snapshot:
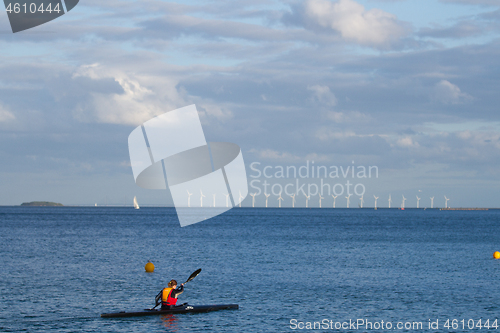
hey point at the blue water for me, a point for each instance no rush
(60, 268)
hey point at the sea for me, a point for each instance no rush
(290, 270)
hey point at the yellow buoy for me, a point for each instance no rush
(496, 255)
(150, 267)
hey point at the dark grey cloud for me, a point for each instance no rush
(189, 25)
(494, 15)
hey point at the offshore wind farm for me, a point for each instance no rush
(305, 203)
(295, 200)
(302, 201)
(323, 202)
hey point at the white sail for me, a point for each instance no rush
(136, 205)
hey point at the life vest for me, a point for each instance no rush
(166, 298)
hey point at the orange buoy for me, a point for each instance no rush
(496, 255)
(150, 267)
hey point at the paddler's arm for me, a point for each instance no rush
(158, 297)
(178, 291)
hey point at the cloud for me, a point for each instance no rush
(210, 109)
(177, 26)
(474, 2)
(460, 30)
(5, 115)
(448, 93)
(407, 142)
(348, 117)
(325, 134)
(270, 154)
(471, 150)
(323, 95)
(141, 98)
(352, 22)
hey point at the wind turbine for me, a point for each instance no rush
(214, 199)
(267, 198)
(348, 199)
(280, 199)
(253, 199)
(361, 201)
(390, 200)
(307, 199)
(334, 198)
(293, 200)
(418, 202)
(241, 198)
(432, 202)
(189, 198)
(446, 204)
(201, 198)
(403, 203)
(320, 197)
(375, 201)
(227, 199)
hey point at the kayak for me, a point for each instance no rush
(184, 309)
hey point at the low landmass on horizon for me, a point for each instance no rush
(41, 203)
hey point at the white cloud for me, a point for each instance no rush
(317, 157)
(353, 22)
(274, 155)
(325, 134)
(348, 117)
(478, 140)
(271, 154)
(143, 97)
(464, 135)
(448, 93)
(323, 95)
(214, 110)
(407, 142)
(6, 115)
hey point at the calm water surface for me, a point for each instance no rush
(60, 268)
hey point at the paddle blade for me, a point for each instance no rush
(195, 274)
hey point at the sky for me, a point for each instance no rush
(410, 87)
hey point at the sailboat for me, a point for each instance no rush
(136, 205)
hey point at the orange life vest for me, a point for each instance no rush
(166, 298)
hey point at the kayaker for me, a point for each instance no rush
(169, 295)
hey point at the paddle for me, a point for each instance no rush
(190, 278)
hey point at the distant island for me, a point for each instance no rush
(41, 203)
